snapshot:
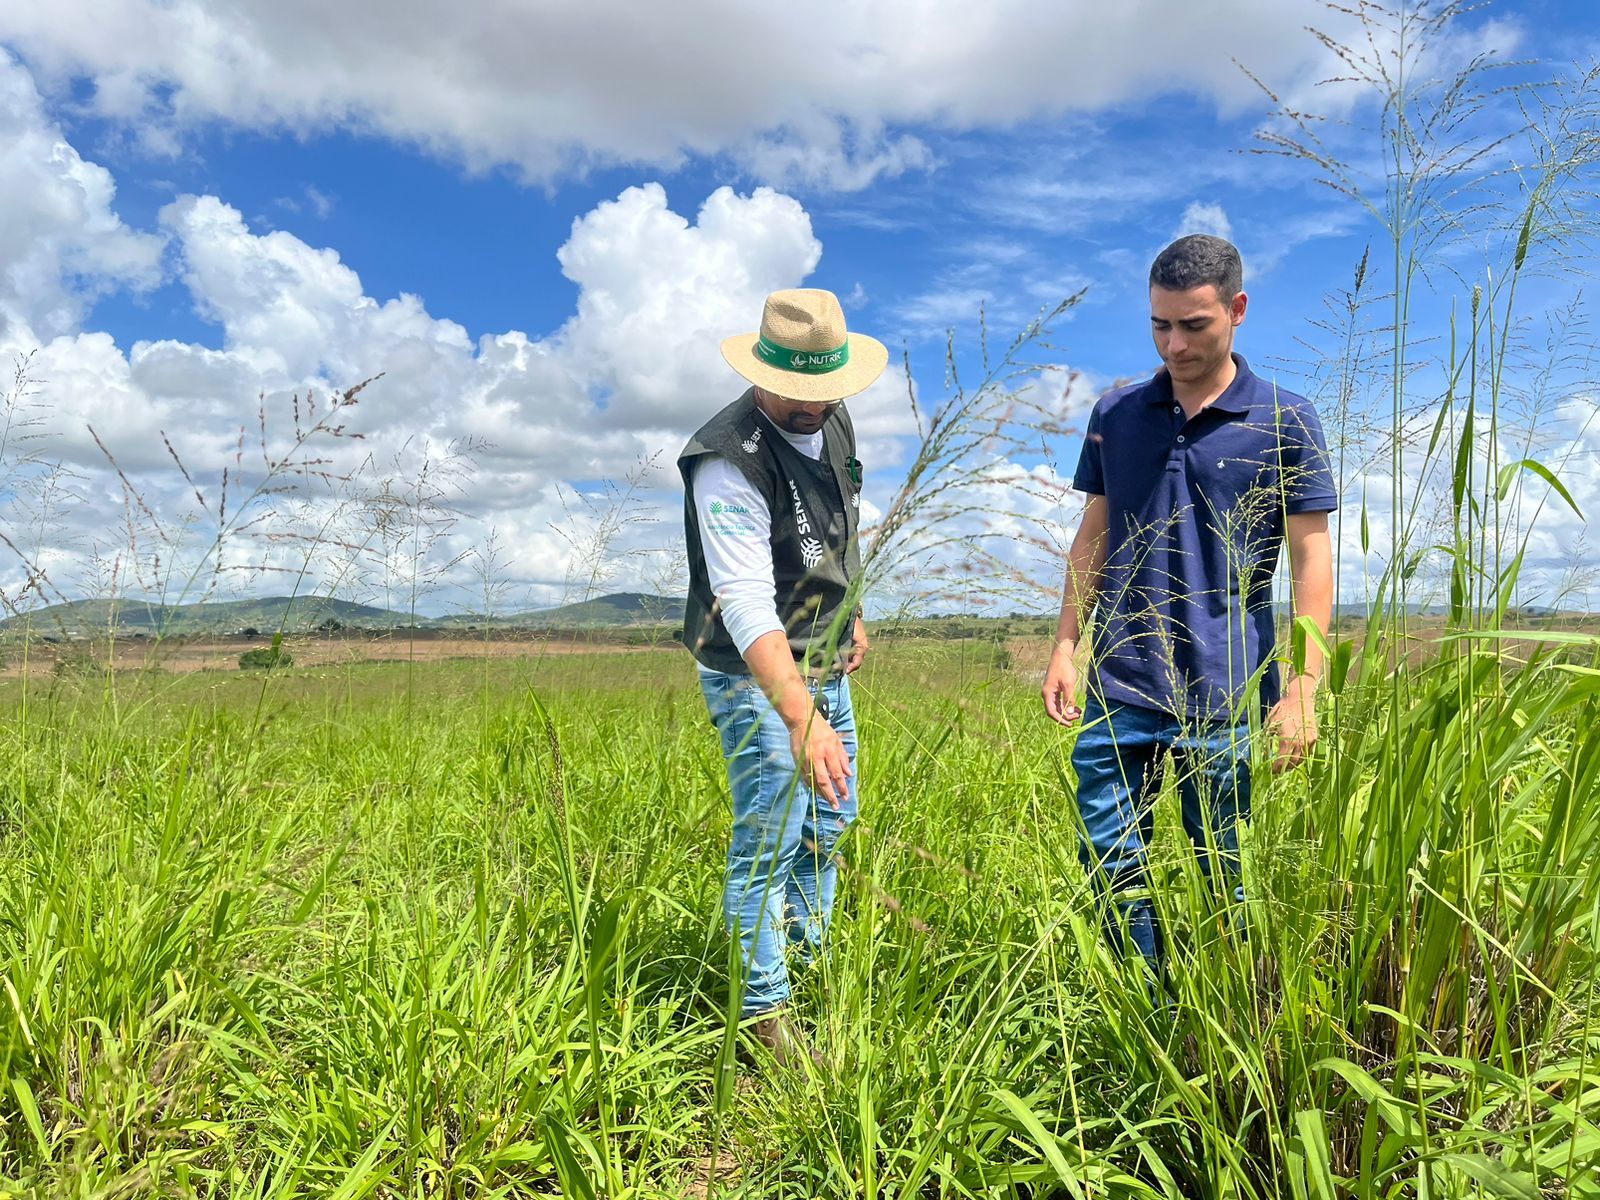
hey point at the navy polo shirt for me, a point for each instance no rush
(1197, 511)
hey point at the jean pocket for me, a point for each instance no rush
(731, 700)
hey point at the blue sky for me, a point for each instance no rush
(1027, 226)
(256, 191)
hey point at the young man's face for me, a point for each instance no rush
(1193, 330)
(794, 416)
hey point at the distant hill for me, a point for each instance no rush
(619, 608)
(292, 614)
(302, 614)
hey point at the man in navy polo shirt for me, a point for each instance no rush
(1196, 477)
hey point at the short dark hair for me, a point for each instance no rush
(1196, 260)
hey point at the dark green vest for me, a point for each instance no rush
(815, 506)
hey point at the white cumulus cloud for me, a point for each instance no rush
(821, 93)
(61, 242)
(611, 394)
(1204, 217)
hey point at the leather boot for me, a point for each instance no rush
(777, 1033)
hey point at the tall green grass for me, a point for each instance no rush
(301, 937)
(453, 930)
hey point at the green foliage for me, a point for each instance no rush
(456, 930)
(73, 660)
(266, 658)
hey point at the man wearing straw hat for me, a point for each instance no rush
(772, 493)
(1196, 478)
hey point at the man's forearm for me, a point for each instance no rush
(1085, 561)
(772, 663)
(1077, 603)
(1311, 569)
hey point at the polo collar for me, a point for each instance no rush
(1236, 398)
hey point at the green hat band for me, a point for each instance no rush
(802, 362)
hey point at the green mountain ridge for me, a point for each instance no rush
(304, 614)
(614, 610)
(619, 608)
(267, 614)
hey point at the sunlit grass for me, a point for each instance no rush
(302, 936)
(453, 929)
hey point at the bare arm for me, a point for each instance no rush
(1311, 570)
(1085, 561)
(818, 750)
(857, 654)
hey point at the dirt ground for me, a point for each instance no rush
(184, 655)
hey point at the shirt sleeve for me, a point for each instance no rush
(736, 538)
(1307, 471)
(1090, 476)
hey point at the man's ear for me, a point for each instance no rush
(1236, 309)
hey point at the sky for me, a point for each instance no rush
(534, 222)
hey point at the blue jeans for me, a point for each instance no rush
(1118, 758)
(778, 892)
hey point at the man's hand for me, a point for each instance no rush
(819, 755)
(823, 761)
(1085, 560)
(1294, 722)
(1061, 687)
(857, 654)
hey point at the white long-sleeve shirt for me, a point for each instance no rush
(736, 538)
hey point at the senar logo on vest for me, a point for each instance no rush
(800, 518)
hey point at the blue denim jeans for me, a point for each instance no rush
(1118, 758)
(777, 895)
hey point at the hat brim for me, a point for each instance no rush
(868, 358)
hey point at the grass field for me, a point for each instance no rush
(453, 929)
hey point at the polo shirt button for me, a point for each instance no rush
(1180, 439)
(1176, 409)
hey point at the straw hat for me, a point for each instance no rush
(803, 351)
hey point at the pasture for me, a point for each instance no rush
(451, 928)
